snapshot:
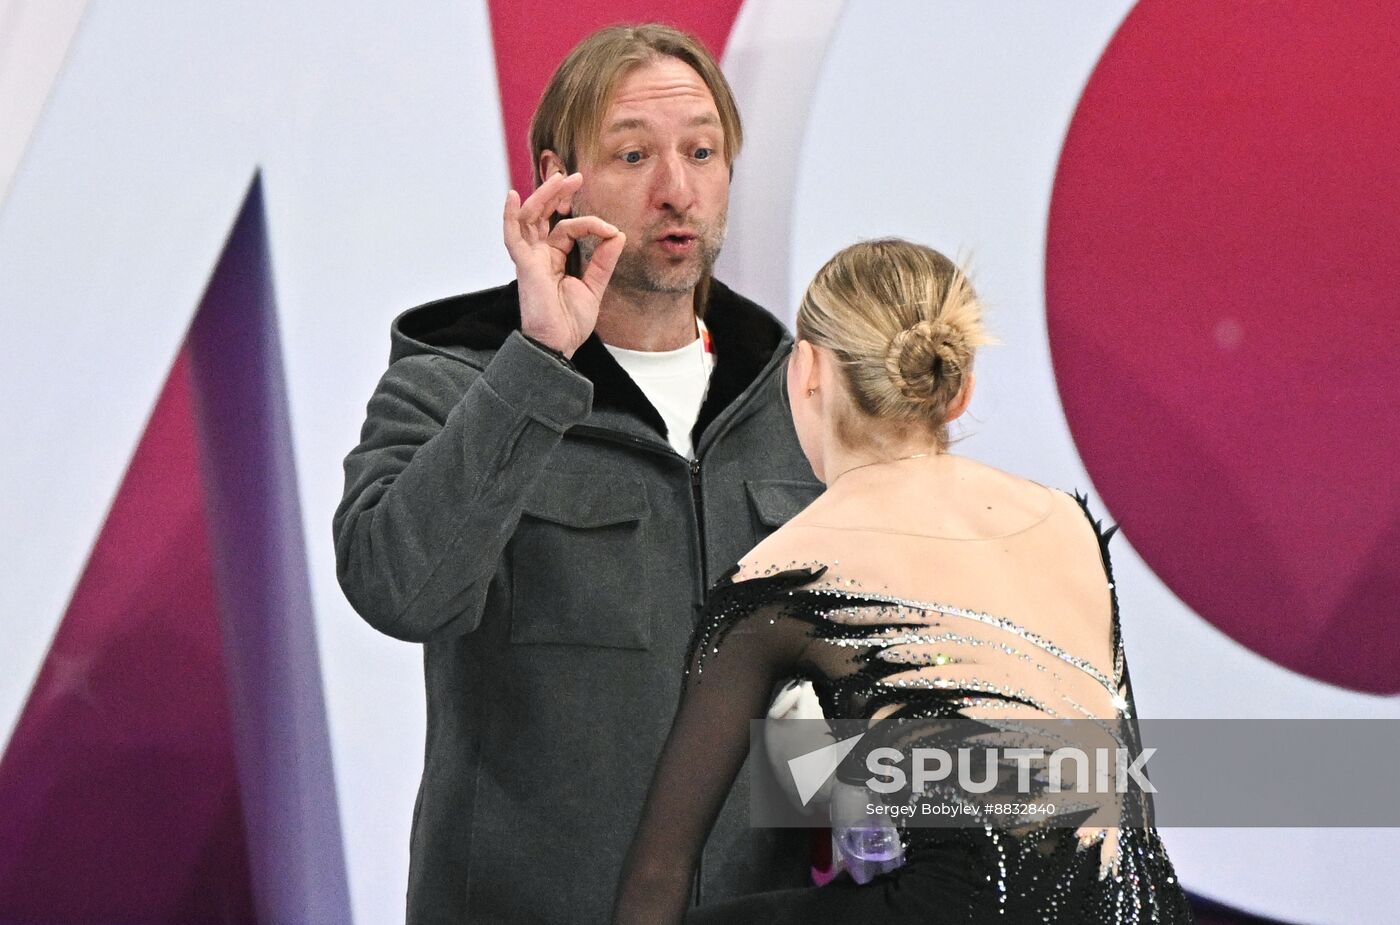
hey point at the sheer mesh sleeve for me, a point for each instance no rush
(748, 640)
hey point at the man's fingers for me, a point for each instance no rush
(564, 203)
(555, 194)
(604, 261)
(570, 230)
(571, 184)
(605, 255)
(544, 196)
(511, 221)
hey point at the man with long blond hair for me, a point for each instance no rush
(550, 475)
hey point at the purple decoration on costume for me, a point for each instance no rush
(866, 851)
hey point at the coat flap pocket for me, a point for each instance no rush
(778, 500)
(587, 501)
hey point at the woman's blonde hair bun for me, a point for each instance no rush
(905, 324)
(922, 356)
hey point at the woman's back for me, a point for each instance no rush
(966, 539)
(832, 602)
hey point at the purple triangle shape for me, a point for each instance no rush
(275, 693)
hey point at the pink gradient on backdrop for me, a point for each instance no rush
(118, 789)
(1221, 278)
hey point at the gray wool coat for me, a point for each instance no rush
(530, 525)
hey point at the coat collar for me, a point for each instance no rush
(746, 338)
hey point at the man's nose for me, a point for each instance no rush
(672, 185)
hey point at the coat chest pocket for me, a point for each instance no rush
(579, 573)
(776, 501)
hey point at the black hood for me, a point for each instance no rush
(470, 327)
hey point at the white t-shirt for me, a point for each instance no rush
(674, 381)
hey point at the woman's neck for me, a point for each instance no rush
(865, 464)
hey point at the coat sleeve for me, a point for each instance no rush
(434, 489)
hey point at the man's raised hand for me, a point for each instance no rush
(557, 309)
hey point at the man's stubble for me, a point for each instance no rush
(635, 273)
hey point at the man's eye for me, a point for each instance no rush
(632, 157)
(704, 154)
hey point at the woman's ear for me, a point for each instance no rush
(963, 398)
(802, 378)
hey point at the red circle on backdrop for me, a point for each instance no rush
(1223, 300)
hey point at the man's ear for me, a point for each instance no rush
(550, 163)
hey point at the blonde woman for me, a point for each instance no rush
(921, 583)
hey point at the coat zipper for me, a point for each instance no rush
(698, 503)
(699, 513)
(704, 582)
(700, 527)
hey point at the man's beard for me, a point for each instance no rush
(635, 272)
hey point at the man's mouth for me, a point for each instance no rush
(678, 243)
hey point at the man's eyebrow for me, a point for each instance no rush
(622, 125)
